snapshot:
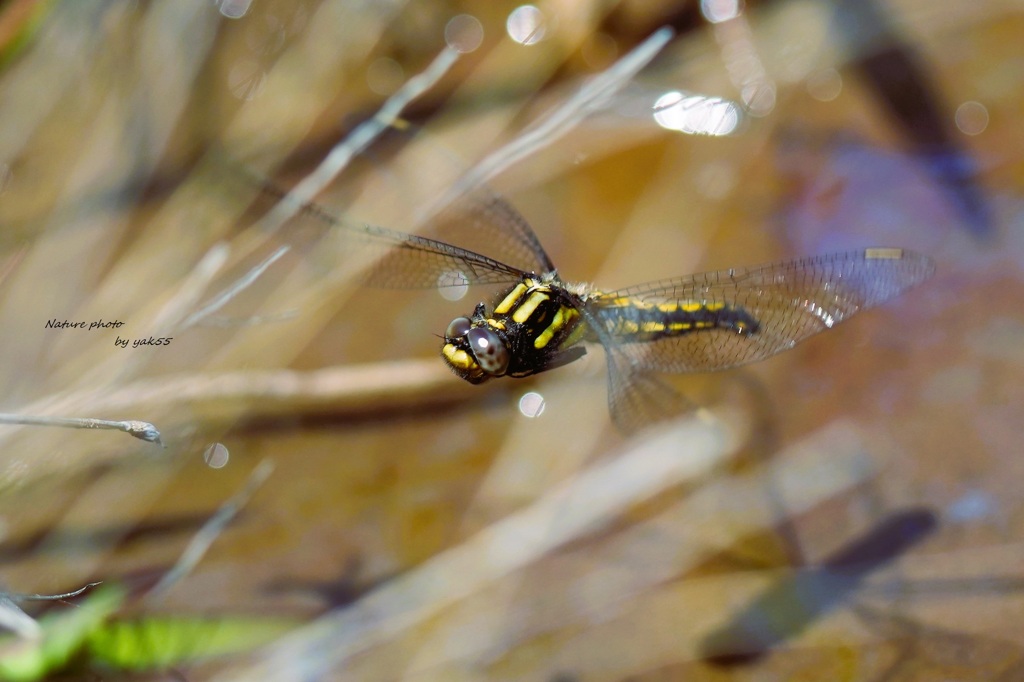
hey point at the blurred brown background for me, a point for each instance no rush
(867, 525)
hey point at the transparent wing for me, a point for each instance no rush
(408, 261)
(636, 398)
(790, 301)
(443, 202)
(481, 220)
(406, 180)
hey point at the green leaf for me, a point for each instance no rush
(63, 635)
(155, 643)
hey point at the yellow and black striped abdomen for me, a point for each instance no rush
(631, 320)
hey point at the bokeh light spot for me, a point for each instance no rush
(825, 85)
(464, 33)
(525, 25)
(971, 118)
(716, 179)
(384, 75)
(233, 9)
(717, 11)
(759, 98)
(531, 404)
(696, 114)
(216, 456)
(453, 285)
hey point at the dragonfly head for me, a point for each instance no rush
(474, 349)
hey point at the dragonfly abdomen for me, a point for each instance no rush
(635, 320)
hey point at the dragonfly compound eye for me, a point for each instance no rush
(458, 328)
(489, 350)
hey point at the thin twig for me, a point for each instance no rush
(17, 621)
(812, 471)
(249, 321)
(242, 283)
(364, 134)
(54, 597)
(568, 511)
(192, 287)
(216, 396)
(339, 157)
(202, 541)
(593, 95)
(133, 427)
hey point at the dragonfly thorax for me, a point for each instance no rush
(535, 326)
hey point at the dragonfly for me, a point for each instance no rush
(539, 322)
